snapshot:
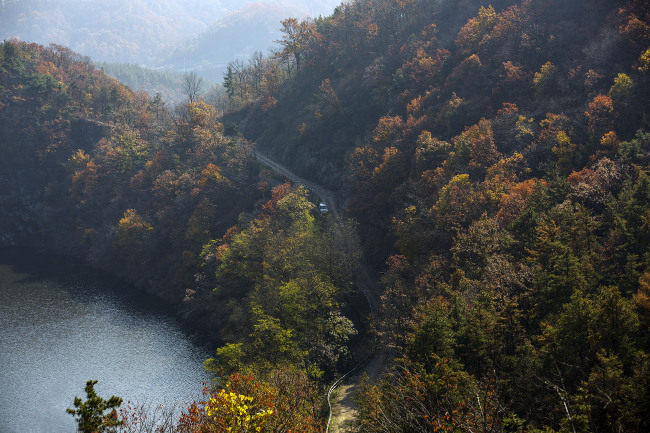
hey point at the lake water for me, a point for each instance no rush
(62, 325)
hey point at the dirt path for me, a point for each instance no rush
(344, 410)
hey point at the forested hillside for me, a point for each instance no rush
(495, 157)
(92, 169)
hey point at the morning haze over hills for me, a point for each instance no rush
(177, 35)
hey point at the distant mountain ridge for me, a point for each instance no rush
(136, 31)
(112, 30)
(247, 30)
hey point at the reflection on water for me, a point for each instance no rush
(61, 325)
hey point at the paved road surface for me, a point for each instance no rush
(325, 194)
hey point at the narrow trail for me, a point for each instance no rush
(373, 364)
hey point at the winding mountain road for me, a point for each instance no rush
(343, 408)
(327, 196)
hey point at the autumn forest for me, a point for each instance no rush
(490, 253)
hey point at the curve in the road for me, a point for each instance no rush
(329, 197)
(365, 282)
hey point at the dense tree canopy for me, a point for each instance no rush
(499, 162)
(495, 158)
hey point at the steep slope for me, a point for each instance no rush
(496, 159)
(93, 170)
(168, 203)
